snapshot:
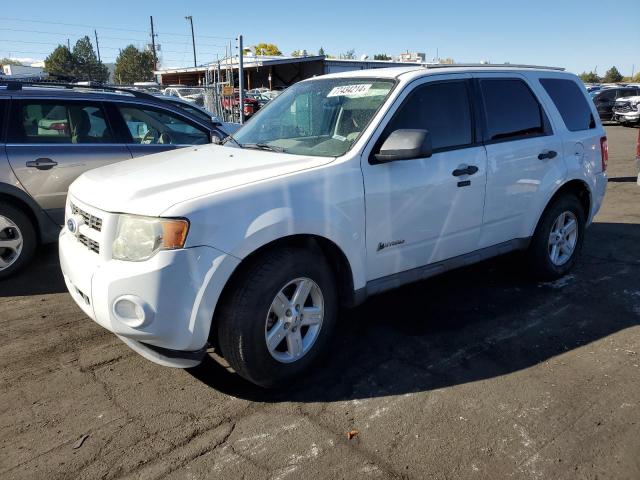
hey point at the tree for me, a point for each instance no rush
(381, 56)
(612, 76)
(296, 53)
(60, 62)
(267, 49)
(87, 66)
(446, 61)
(349, 55)
(321, 51)
(590, 77)
(133, 65)
(9, 61)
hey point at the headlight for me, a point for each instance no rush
(139, 238)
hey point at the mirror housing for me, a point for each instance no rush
(405, 144)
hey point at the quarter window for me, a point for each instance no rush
(512, 111)
(441, 108)
(570, 102)
(151, 126)
(58, 122)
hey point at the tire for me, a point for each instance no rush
(247, 316)
(540, 253)
(15, 225)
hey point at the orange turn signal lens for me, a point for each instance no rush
(174, 233)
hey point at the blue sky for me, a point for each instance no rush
(578, 35)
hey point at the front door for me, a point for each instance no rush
(52, 142)
(425, 210)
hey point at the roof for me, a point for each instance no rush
(427, 69)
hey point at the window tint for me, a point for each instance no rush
(151, 126)
(607, 94)
(570, 102)
(511, 110)
(442, 108)
(59, 122)
(627, 92)
(3, 109)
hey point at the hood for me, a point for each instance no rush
(632, 98)
(150, 185)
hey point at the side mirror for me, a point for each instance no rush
(405, 144)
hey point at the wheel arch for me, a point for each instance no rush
(576, 187)
(15, 197)
(336, 260)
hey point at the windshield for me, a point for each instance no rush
(321, 117)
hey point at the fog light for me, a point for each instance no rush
(132, 311)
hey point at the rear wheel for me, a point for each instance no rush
(278, 317)
(558, 239)
(17, 240)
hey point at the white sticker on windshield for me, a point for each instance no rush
(349, 90)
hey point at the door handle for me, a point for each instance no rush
(547, 154)
(42, 163)
(465, 170)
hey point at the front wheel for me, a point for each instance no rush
(557, 241)
(278, 317)
(17, 240)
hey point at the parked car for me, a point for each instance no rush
(189, 94)
(605, 99)
(344, 186)
(202, 113)
(626, 110)
(260, 98)
(250, 105)
(55, 133)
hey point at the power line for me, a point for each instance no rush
(106, 28)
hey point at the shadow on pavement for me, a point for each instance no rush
(476, 323)
(42, 276)
(623, 179)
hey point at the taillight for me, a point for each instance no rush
(58, 126)
(604, 148)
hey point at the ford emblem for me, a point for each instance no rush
(72, 225)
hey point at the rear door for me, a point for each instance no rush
(523, 154)
(52, 141)
(151, 129)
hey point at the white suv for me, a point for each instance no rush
(344, 186)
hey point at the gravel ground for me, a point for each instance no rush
(479, 373)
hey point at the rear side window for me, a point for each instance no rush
(443, 109)
(58, 122)
(570, 102)
(512, 111)
(3, 110)
(627, 92)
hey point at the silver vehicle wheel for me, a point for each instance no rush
(563, 238)
(294, 320)
(10, 242)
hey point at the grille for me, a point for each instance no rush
(89, 243)
(622, 107)
(91, 220)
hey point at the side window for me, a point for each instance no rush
(607, 95)
(626, 92)
(441, 108)
(3, 110)
(58, 122)
(570, 102)
(154, 126)
(512, 111)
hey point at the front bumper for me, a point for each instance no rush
(626, 117)
(177, 290)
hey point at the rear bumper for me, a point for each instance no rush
(175, 291)
(600, 189)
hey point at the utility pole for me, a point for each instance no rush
(153, 45)
(68, 45)
(193, 39)
(241, 79)
(97, 44)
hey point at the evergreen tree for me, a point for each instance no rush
(321, 51)
(87, 66)
(133, 65)
(60, 62)
(612, 76)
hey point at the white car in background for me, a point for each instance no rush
(626, 110)
(346, 185)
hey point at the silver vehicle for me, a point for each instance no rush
(50, 134)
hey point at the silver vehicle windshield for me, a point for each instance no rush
(321, 117)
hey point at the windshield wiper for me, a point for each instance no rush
(263, 146)
(230, 137)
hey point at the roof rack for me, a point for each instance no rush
(490, 65)
(18, 84)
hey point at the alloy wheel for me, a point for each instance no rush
(563, 238)
(10, 242)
